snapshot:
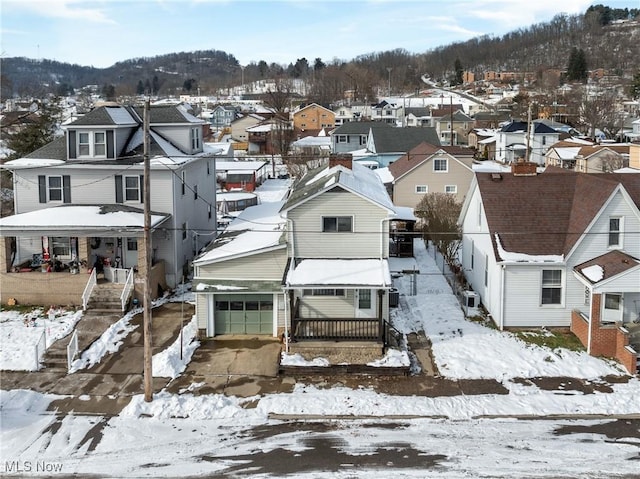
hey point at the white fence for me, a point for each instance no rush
(72, 349)
(39, 349)
(93, 280)
(128, 287)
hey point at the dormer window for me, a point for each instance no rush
(195, 139)
(92, 144)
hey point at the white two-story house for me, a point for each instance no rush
(80, 199)
(556, 249)
(313, 267)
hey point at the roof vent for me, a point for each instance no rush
(496, 177)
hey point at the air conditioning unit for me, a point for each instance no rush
(471, 299)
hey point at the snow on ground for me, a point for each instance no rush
(23, 335)
(172, 362)
(466, 350)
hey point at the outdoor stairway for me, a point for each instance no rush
(105, 297)
(90, 327)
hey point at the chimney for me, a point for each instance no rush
(344, 159)
(524, 168)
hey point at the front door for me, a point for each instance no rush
(365, 303)
(130, 259)
(612, 310)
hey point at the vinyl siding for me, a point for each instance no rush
(328, 306)
(263, 266)
(364, 242)
(178, 135)
(404, 189)
(522, 298)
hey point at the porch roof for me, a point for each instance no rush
(81, 220)
(607, 268)
(210, 285)
(339, 273)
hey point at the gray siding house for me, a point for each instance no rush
(80, 198)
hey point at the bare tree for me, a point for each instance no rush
(612, 162)
(597, 108)
(439, 213)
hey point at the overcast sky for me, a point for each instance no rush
(101, 33)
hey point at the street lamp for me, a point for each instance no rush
(389, 91)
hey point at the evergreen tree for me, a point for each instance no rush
(155, 85)
(140, 88)
(36, 134)
(577, 67)
(109, 92)
(459, 72)
(634, 89)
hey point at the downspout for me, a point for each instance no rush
(590, 320)
(382, 237)
(501, 322)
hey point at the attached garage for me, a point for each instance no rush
(243, 314)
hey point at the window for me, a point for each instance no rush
(612, 301)
(208, 167)
(84, 147)
(486, 270)
(337, 224)
(195, 139)
(323, 292)
(451, 189)
(183, 177)
(363, 139)
(615, 227)
(55, 188)
(61, 247)
(440, 164)
(551, 286)
(184, 231)
(132, 244)
(473, 255)
(343, 139)
(209, 211)
(92, 144)
(195, 192)
(132, 188)
(364, 299)
(99, 143)
(421, 189)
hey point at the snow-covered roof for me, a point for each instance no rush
(253, 230)
(525, 258)
(224, 166)
(343, 273)
(77, 218)
(384, 174)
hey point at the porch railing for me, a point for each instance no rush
(338, 329)
(72, 349)
(116, 275)
(128, 287)
(93, 280)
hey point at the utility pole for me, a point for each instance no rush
(389, 90)
(147, 372)
(451, 125)
(526, 153)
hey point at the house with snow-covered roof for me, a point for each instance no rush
(513, 139)
(314, 267)
(79, 204)
(533, 243)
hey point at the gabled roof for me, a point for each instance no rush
(359, 127)
(111, 115)
(547, 214)
(401, 140)
(359, 180)
(421, 153)
(606, 266)
(587, 151)
(514, 126)
(312, 105)
(417, 111)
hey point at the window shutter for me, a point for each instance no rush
(141, 188)
(42, 188)
(66, 189)
(72, 144)
(110, 144)
(119, 196)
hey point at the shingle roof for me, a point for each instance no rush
(612, 263)
(546, 214)
(55, 150)
(402, 140)
(359, 127)
(420, 153)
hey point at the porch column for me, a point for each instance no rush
(5, 254)
(594, 321)
(142, 259)
(83, 250)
